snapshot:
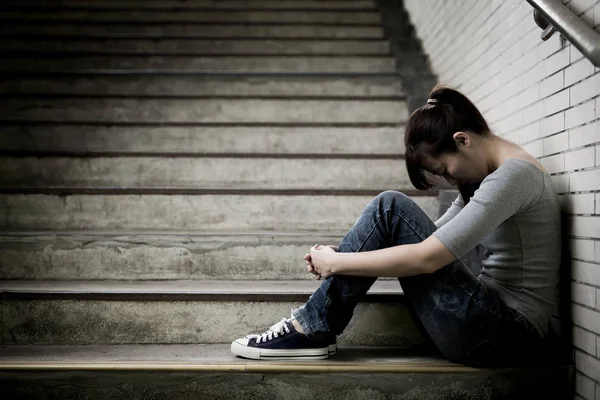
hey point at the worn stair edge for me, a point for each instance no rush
(216, 74)
(340, 6)
(100, 153)
(181, 234)
(400, 367)
(53, 35)
(184, 23)
(157, 124)
(145, 124)
(60, 54)
(217, 7)
(36, 96)
(383, 291)
(152, 124)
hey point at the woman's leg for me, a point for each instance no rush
(466, 321)
(390, 219)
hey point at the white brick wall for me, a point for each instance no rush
(546, 97)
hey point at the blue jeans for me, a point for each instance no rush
(467, 322)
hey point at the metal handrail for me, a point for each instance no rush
(573, 28)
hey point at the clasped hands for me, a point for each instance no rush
(319, 261)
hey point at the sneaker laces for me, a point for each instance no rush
(279, 328)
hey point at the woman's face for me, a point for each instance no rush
(454, 167)
(465, 166)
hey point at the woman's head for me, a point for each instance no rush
(442, 137)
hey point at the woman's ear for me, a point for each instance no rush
(462, 139)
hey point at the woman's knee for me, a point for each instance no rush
(394, 200)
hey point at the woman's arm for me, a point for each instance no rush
(456, 206)
(404, 260)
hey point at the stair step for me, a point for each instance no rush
(134, 29)
(212, 371)
(191, 140)
(214, 173)
(182, 86)
(197, 64)
(209, 212)
(183, 290)
(203, 110)
(130, 255)
(104, 312)
(216, 357)
(190, 5)
(213, 15)
(195, 46)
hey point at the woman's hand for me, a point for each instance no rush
(320, 260)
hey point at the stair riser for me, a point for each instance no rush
(236, 386)
(515, 384)
(263, 64)
(198, 46)
(184, 140)
(114, 322)
(204, 111)
(171, 4)
(234, 213)
(205, 86)
(241, 386)
(312, 17)
(165, 256)
(214, 173)
(192, 30)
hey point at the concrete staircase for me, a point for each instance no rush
(165, 166)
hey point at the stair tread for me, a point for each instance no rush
(62, 190)
(188, 46)
(190, 30)
(262, 16)
(143, 72)
(181, 287)
(195, 65)
(184, 234)
(191, 5)
(216, 357)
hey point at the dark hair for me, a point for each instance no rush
(430, 129)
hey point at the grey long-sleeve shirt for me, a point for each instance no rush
(515, 216)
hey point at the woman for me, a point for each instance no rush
(507, 203)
